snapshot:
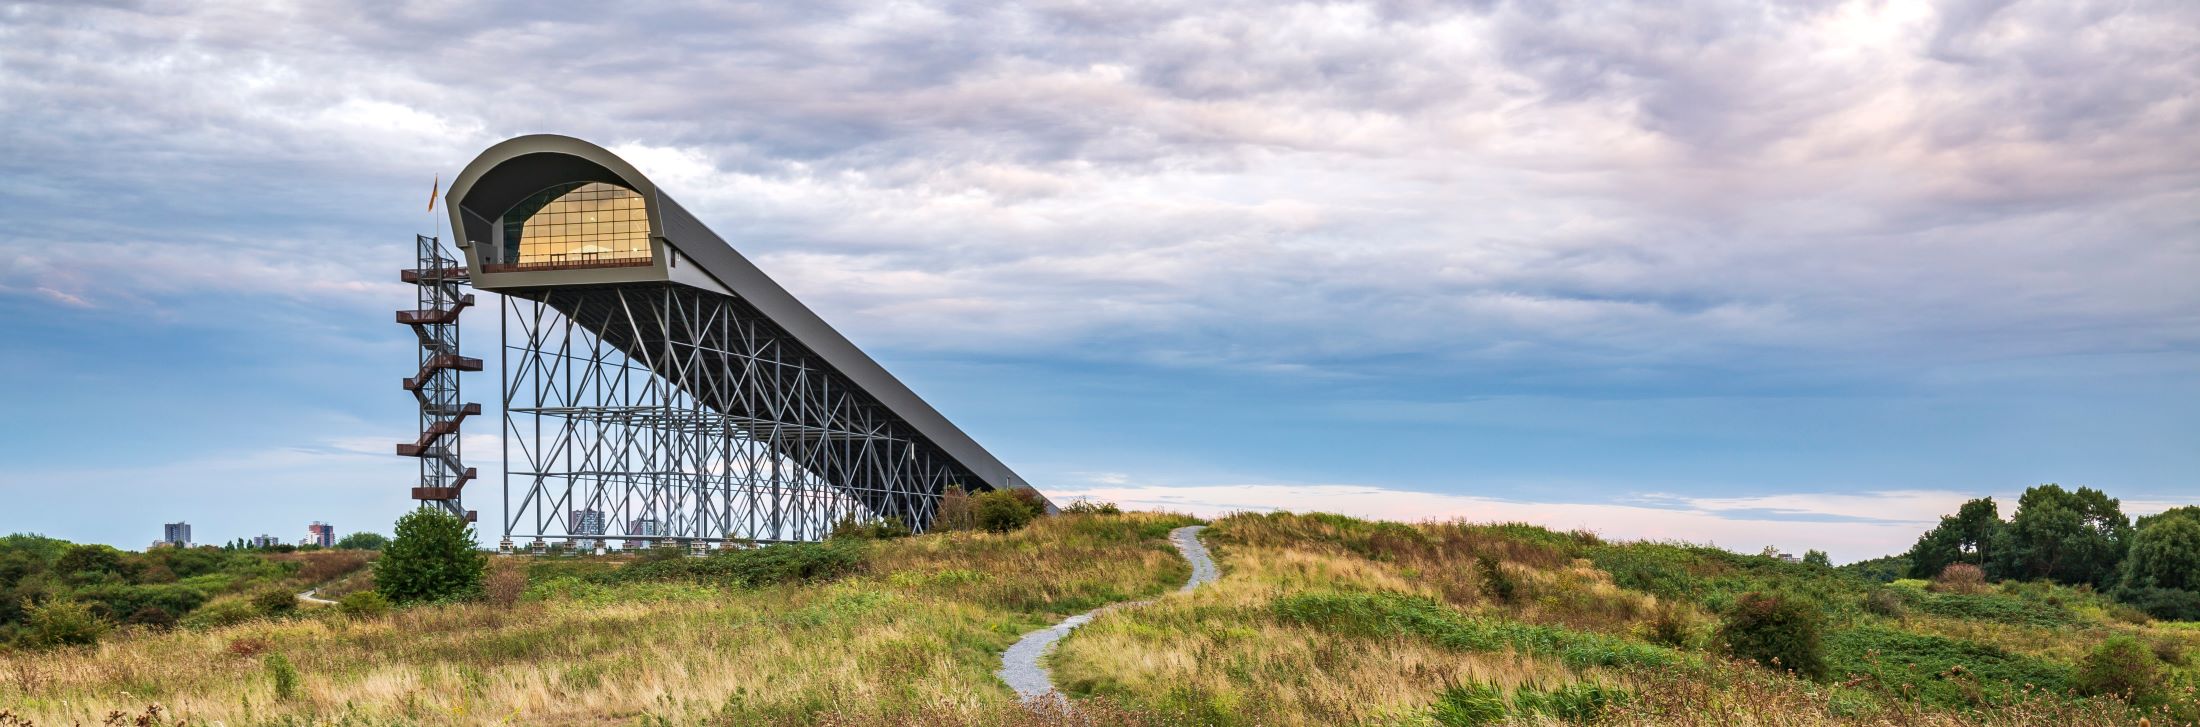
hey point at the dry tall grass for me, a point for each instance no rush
(1222, 655)
(918, 632)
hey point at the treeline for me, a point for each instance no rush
(2073, 537)
(356, 541)
(53, 592)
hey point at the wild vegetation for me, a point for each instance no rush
(2071, 537)
(856, 630)
(1321, 619)
(1318, 620)
(55, 593)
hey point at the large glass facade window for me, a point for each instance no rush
(579, 225)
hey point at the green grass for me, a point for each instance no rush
(1390, 614)
(1940, 671)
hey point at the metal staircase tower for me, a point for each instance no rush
(434, 320)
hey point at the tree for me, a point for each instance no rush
(1782, 632)
(1817, 558)
(433, 558)
(1969, 536)
(362, 541)
(2068, 537)
(90, 563)
(2165, 551)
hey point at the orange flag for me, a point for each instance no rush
(433, 190)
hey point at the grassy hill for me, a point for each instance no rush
(1318, 620)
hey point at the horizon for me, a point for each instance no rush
(1806, 278)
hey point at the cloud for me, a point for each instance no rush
(1301, 188)
(1580, 220)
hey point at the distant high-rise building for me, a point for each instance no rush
(176, 534)
(581, 523)
(642, 527)
(585, 522)
(321, 534)
(262, 541)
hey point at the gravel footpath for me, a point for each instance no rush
(1020, 664)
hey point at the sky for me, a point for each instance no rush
(1798, 274)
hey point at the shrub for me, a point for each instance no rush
(1671, 627)
(1885, 602)
(62, 622)
(433, 558)
(2168, 604)
(152, 617)
(506, 582)
(784, 563)
(2120, 666)
(362, 541)
(328, 565)
(2171, 652)
(248, 646)
(1781, 632)
(1960, 578)
(1003, 511)
(1496, 583)
(1085, 506)
(284, 676)
(852, 527)
(275, 602)
(956, 511)
(226, 611)
(1466, 705)
(364, 604)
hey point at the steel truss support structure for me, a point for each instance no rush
(434, 320)
(657, 413)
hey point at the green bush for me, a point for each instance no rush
(784, 563)
(363, 541)
(284, 676)
(1885, 602)
(225, 611)
(1782, 632)
(855, 528)
(2121, 666)
(1085, 506)
(364, 604)
(62, 622)
(275, 602)
(432, 559)
(119, 601)
(1002, 511)
(1467, 705)
(152, 617)
(2168, 604)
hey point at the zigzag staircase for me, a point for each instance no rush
(443, 476)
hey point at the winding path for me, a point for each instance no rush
(1020, 666)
